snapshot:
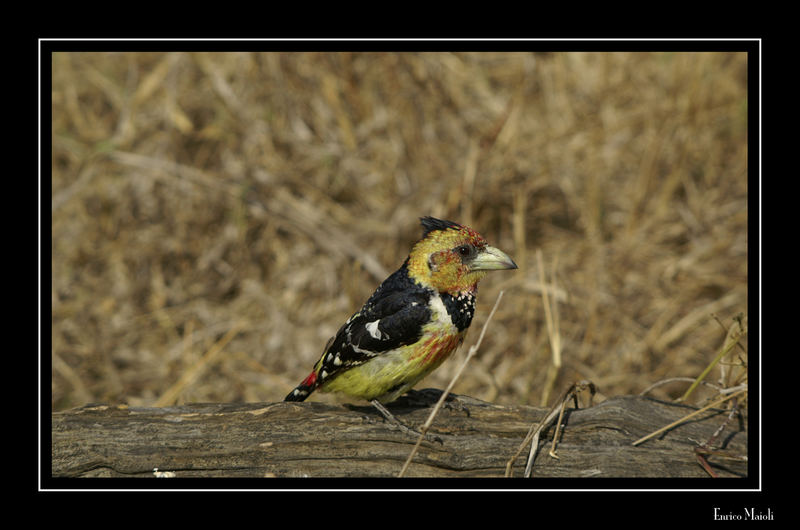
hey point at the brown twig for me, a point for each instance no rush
(713, 404)
(731, 340)
(705, 448)
(535, 430)
(674, 380)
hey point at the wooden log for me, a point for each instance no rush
(314, 439)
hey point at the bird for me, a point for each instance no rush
(415, 319)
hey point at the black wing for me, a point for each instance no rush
(394, 320)
(392, 317)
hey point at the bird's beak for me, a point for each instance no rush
(492, 259)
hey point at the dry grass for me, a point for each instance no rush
(220, 215)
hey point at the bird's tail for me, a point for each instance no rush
(304, 389)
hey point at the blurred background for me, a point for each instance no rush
(217, 216)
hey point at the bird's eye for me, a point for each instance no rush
(465, 250)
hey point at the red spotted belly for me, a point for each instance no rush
(438, 347)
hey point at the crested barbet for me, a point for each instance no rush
(414, 321)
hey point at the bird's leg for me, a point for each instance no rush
(389, 416)
(408, 430)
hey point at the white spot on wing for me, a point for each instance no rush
(372, 328)
(363, 352)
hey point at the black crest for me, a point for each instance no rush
(429, 224)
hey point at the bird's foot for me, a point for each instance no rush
(403, 427)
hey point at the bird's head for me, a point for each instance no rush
(452, 258)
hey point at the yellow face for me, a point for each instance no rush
(454, 260)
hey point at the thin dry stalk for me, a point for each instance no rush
(171, 395)
(472, 351)
(553, 328)
(731, 340)
(552, 451)
(533, 438)
(705, 448)
(711, 405)
(572, 392)
(726, 370)
(533, 433)
(674, 380)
